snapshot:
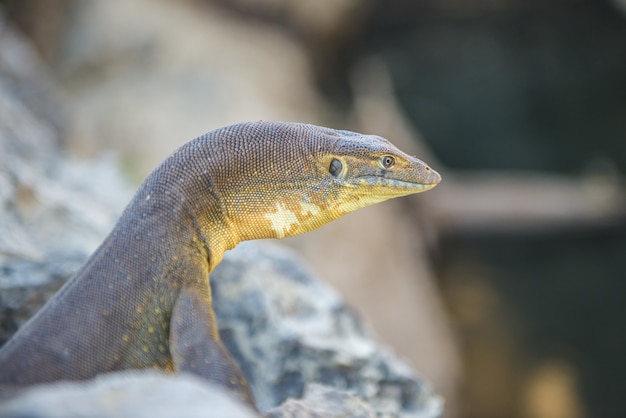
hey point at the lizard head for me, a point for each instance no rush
(362, 170)
(292, 178)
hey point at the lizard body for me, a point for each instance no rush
(143, 300)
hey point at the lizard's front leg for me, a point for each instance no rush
(195, 344)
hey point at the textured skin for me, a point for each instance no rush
(143, 298)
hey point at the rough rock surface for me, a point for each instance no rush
(128, 394)
(288, 330)
(285, 328)
(321, 401)
(54, 211)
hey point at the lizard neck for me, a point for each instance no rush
(186, 209)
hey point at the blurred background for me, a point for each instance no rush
(505, 286)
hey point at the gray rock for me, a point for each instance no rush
(289, 330)
(322, 401)
(53, 210)
(128, 394)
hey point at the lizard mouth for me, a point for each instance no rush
(422, 183)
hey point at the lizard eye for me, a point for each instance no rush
(335, 167)
(387, 161)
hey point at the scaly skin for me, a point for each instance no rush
(143, 298)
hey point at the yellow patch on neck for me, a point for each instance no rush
(282, 220)
(309, 209)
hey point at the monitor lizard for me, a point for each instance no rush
(143, 300)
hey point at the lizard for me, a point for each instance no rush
(143, 300)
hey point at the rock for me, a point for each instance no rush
(288, 330)
(54, 210)
(328, 30)
(128, 394)
(162, 72)
(43, 23)
(321, 401)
